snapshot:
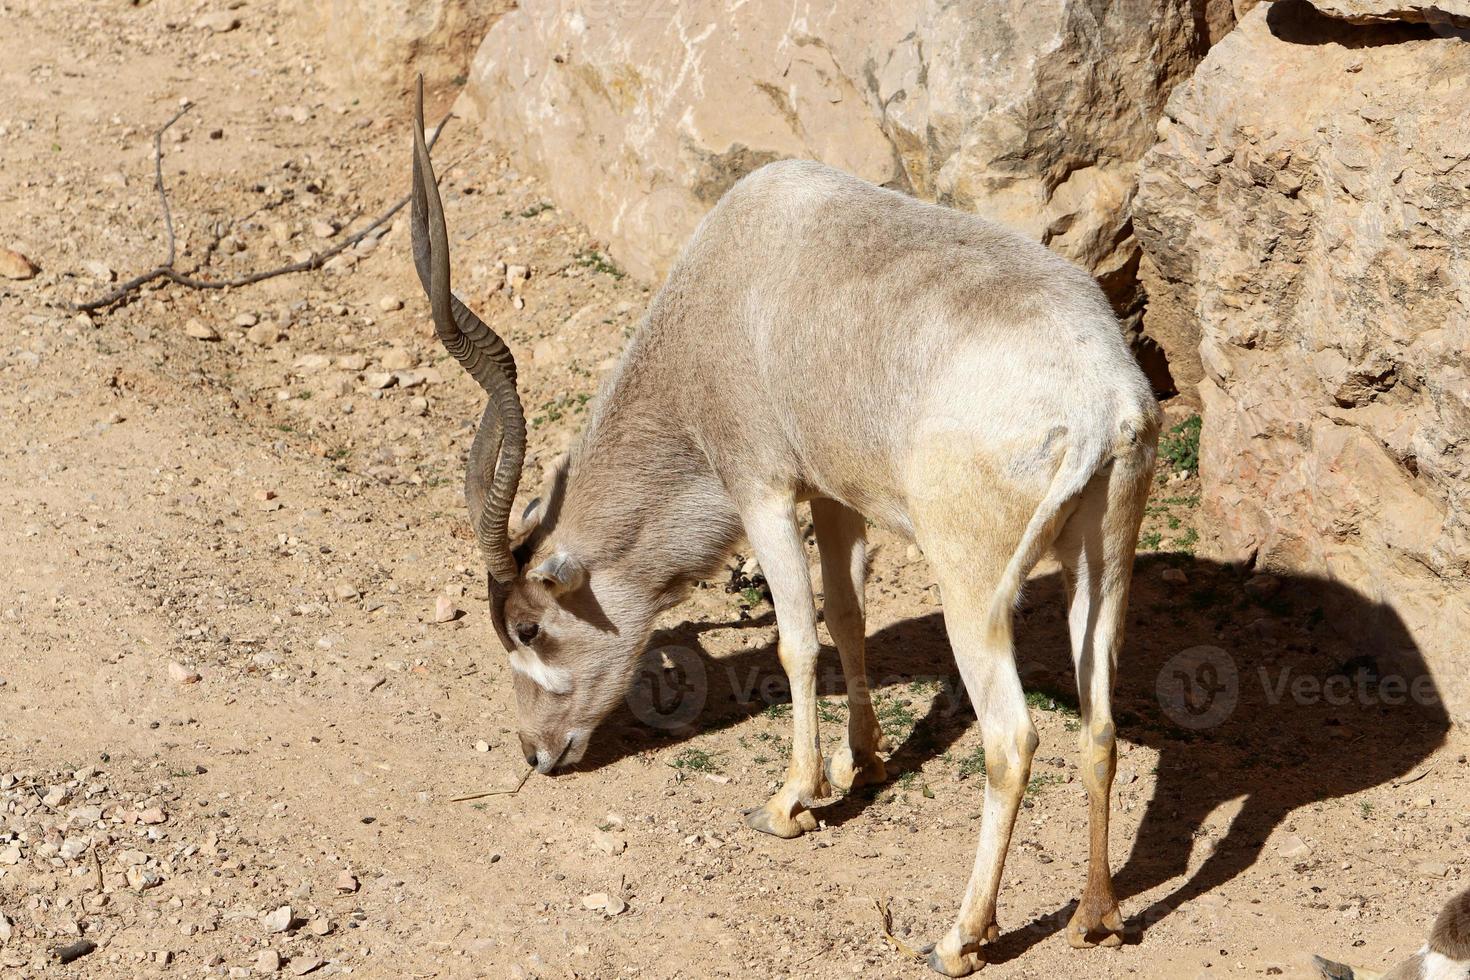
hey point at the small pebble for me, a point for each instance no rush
(277, 921)
(200, 330)
(445, 611)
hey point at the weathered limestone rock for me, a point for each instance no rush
(641, 113)
(1307, 218)
(1450, 13)
(375, 48)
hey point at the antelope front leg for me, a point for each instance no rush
(776, 541)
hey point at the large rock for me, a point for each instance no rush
(1453, 14)
(374, 48)
(640, 113)
(1308, 215)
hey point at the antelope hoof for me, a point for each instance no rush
(1107, 926)
(774, 819)
(845, 774)
(955, 959)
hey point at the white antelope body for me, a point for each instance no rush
(823, 340)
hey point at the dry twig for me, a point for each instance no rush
(497, 792)
(167, 270)
(885, 923)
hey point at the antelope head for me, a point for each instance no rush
(572, 653)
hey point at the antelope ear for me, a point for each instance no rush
(561, 573)
(543, 510)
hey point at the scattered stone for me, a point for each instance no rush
(217, 22)
(445, 611)
(320, 926)
(296, 113)
(312, 363)
(608, 843)
(98, 270)
(1422, 802)
(1262, 586)
(398, 359)
(1293, 848)
(5, 929)
(75, 951)
(346, 883)
(10, 855)
(151, 816)
(277, 921)
(268, 961)
(141, 878)
(302, 965)
(55, 796)
(482, 746)
(263, 334)
(1174, 576)
(615, 905)
(345, 590)
(246, 320)
(323, 229)
(516, 274)
(14, 265)
(200, 330)
(180, 674)
(352, 362)
(390, 303)
(1432, 869)
(596, 902)
(73, 848)
(379, 380)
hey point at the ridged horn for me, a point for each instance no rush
(494, 469)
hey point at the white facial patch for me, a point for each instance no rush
(1438, 966)
(553, 679)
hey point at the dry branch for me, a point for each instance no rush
(190, 280)
(497, 792)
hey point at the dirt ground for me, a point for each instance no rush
(232, 722)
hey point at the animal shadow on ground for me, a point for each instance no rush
(1283, 696)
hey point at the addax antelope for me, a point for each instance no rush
(822, 340)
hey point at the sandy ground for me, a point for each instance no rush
(231, 726)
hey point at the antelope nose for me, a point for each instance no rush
(528, 749)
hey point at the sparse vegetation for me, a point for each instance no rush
(695, 760)
(1041, 780)
(598, 262)
(1179, 447)
(972, 764)
(895, 716)
(554, 409)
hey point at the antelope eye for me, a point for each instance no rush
(526, 632)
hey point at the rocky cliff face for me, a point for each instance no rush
(375, 47)
(1306, 218)
(640, 113)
